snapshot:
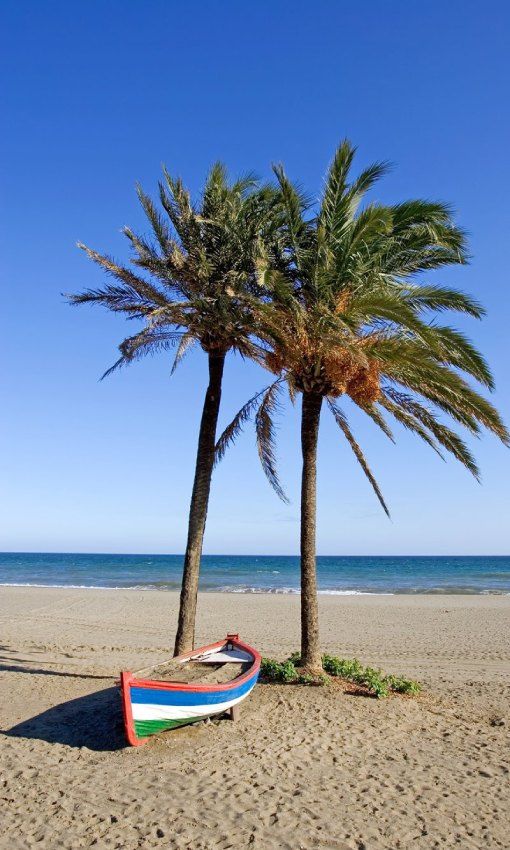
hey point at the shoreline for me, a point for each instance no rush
(263, 592)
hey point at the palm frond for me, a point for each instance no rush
(377, 417)
(418, 368)
(122, 361)
(118, 299)
(453, 395)
(409, 411)
(245, 184)
(411, 423)
(294, 203)
(368, 178)
(145, 291)
(342, 423)
(403, 415)
(146, 341)
(234, 428)
(186, 342)
(455, 349)
(264, 428)
(440, 298)
(341, 200)
(333, 211)
(159, 226)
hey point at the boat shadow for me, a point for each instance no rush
(93, 721)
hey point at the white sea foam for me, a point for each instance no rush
(355, 593)
(64, 586)
(282, 590)
(270, 590)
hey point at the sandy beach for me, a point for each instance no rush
(303, 768)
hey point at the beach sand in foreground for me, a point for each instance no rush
(303, 768)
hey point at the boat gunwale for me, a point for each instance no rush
(154, 684)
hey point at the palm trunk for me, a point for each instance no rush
(310, 417)
(185, 637)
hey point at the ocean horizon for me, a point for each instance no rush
(344, 575)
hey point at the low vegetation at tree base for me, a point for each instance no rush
(374, 681)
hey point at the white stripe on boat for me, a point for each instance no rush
(221, 656)
(148, 711)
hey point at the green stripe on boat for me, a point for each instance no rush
(143, 728)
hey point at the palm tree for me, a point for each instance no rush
(200, 287)
(348, 317)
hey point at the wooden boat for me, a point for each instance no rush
(156, 704)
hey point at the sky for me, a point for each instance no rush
(96, 96)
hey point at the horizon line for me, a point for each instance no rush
(252, 555)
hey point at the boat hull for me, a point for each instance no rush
(152, 706)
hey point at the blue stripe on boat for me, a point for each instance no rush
(155, 696)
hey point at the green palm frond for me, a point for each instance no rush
(245, 184)
(367, 179)
(378, 305)
(372, 411)
(234, 428)
(135, 285)
(409, 421)
(158, 224)
(293, 203)
(333, 212)
(368, 230)
(452, 394)
(119, 299)
(264, 428)
(455, 349)
(406, 406)
(341, 199)
(419, 223)
(341, 421)
(439, 298)
(147, 341)
(176, 202)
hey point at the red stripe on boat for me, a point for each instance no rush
(129, 726)
(227, 686)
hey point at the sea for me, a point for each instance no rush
(337, 575)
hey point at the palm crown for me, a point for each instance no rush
(348, 317)
(194, 281)
(200, 282)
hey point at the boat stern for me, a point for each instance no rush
(127, 710)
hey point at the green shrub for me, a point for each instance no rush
(295, 658)
(289, 672)
(403, 686)
(344, 668)
(374, 681)
(278, 671)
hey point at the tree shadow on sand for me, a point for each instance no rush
(93, 721)
(44, 671)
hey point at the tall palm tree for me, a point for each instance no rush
(351, 318)
(194, 281)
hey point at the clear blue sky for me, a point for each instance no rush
(95, 96)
